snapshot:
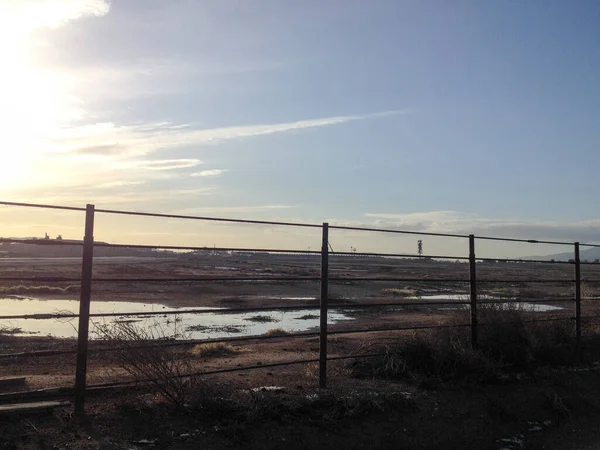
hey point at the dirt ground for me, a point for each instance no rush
(269, 293)
(454, 417)
(545, 409)
(59, 370)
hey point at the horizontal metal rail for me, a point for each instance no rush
(159, 280)
(201, 279)
(283, 308)
(590, 245)
(42, 279)
(445, 280)
(44, 242)
(397, 255)
(48, 279)
(525, 261)
(37, 205)
(165, 313)
(296, 362)
(186, 343)
(526, 241)
(211, 219)
(385, 230)
(208, 249)
(211, 372)
(291, 224)
(526, 300)
(533, 280)
(338, 306)
(160, 344)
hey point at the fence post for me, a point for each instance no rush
(473, 290)
(577, 293)
(323, 314)
(84, 310)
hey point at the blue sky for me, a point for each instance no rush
(458, 116)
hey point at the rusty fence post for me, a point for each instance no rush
(84, 310)
(473, 291)
(323, 313)
(577, 293)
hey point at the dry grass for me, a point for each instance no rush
(277, 332)
(214, 349)
(135, 351)
(507, 337)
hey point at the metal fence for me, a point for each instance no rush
(326, 303)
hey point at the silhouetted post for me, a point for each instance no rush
(473, 290)
(323, 315)
(577, 293)
(84, 310)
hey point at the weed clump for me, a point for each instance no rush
(277, 332)
(507, 337)
(214, 349)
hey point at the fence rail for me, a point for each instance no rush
(326, 278)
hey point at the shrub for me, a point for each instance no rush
(431, 357)
(134, 349)
(507, 337)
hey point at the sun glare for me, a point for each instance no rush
(33, 104)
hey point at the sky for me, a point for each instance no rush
(458, 116)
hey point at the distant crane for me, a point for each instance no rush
(420, 248)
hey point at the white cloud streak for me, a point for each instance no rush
(169, 164)
(209, 173)
(232, 209)
(147, 138)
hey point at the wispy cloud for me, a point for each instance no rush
(209, 173)
(132, 149)
(118, 184)
(121, 198)
(169, 164)
(232, 209)
(147, 138)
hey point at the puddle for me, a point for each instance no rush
(198, 326)
(527, 306)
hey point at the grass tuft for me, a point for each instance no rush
(507, 337)
(277, 332)
(214, 349)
